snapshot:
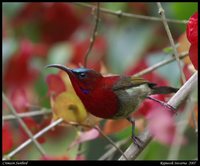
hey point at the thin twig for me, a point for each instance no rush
(162, 14)
(114, 145)
(94, 33)
(37, 135)
(113, 149)
(101, 132)
(27, 114)
(55, 123)
(130, 15)
(24, 126)
(133, 151)
(159, 64)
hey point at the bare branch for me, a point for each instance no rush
(24, 126)
(177, 142)
(55, 123)
(113, 149)
(162, 14)
(130, 15)
(27, 114)
(112, 143)
(133, 151)
(94, 33)
(101, 132)
(37, 135)
(159, 64)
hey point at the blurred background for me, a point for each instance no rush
(37, 34)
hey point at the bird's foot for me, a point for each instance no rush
(137, 141)
(171, 108)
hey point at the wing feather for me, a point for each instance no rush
(128, 82)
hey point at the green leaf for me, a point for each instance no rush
(169, 50)
(154, 151)
(183, 10)
(41, 90)
(115, 6)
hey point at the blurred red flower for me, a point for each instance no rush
(96, 55)
(161, 125)
(148, 106)
(18, 71)
(7, 138)
(192, 35)
(55, 84)
(19, 100)
(56, 21)
(33, 126)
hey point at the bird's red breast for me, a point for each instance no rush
(101, 101)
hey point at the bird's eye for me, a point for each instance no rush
(82, 75)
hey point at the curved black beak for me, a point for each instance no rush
(62, 67)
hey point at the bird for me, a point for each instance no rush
(113, 97)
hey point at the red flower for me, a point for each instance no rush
(7, 138)
(192, 35)
(55, 22)
(161, 125)
(55, 84)
(19, 99)
(149, 106)
(33, 126)
(59, 22)
(96, 55)
(18, 72)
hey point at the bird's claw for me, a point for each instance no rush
(170, 107)
(137, 141)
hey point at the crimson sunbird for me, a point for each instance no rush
(113, 97)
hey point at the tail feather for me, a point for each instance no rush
(163, 90)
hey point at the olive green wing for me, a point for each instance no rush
(128, 82)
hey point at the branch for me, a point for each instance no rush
(159, 64)
(37, 135)
(113, 149)
(130, 15)
(27, 114)
(133, 151)
(101, 132)
(114, 145)
(94, 33)
(24, 126)
(53, 124)
(177, 142)
(162, 14)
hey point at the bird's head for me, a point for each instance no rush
(83, 79)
